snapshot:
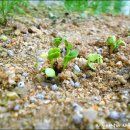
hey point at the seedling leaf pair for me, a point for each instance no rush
(57, 41)
(71, 55)
(94, 58)
(114, 43)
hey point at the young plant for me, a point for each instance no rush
(50, 72)
(94, 58)
(114, 43)
(53, 54)
(57, 41)
(71, 55)
(68, 46)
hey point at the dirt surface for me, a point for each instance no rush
(88, 99)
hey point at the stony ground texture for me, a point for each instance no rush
(83, 98)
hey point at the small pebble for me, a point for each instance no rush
(25, 74)
(21, 84)
(72, 83)
(76, 68)
(10, 53)
(54, 87)
(17, 107)
(77, 84)
(119, 64)
(40, 60)
(77, 107)
(12, 95)
(32, 99)
(40, 96)
(100, 51)
(77, 118)
(114, 115)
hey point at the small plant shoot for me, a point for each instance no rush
(53, 54)
(114, 43)
(57, 41)
(70, 56)
(94, 58)
(68, 46)
(50, 72)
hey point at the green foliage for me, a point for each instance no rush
(53, 54)
(79, 5)
(94, 58)
(57, 41)
(68, 46)
(50, 72)
(71, 55)
(95, 6)
(114, 43)
(10, 7)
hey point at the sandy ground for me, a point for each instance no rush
(102, 97)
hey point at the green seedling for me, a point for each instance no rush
(114, 43)
(3, 38)
(50, 72)
(94, 58)
(53, 54)
(68, 46)
(57, 41)
(71, 55)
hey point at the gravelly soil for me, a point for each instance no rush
(100, 94)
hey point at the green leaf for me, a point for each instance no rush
(111, 41)
(91, 65)
(71, 55)
(119, 43)
(68, 46)
(94, 58)
(57, 41)
(53, 53)
(50, 72)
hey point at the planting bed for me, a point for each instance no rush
(81, 98)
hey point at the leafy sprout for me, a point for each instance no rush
(57, 41)
(68, 46)
(94, 58)
(113, 43)
(50, 72)
(71, 55)
(53, 54)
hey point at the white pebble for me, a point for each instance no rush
(76, 68)
(72, 83)
(40, 96)
(77, 118)
(54, 87)
(10, 53)
(77, 84)
(21, 84)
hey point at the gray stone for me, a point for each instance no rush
(40, 96)
(54, 87)
(17, 107)
(77, 118)
(114, 115)
(77, 84)
(10, 53)
(21, 84)
(72, 83)
(32, 99)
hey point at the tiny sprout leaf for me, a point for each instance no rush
(68, 46)
(57, 41)
(50, 72)
(91, 65)
(111, 40)
(94, 58)
(43, 55)
(119, 43)
(53, 53)
(71, 55)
